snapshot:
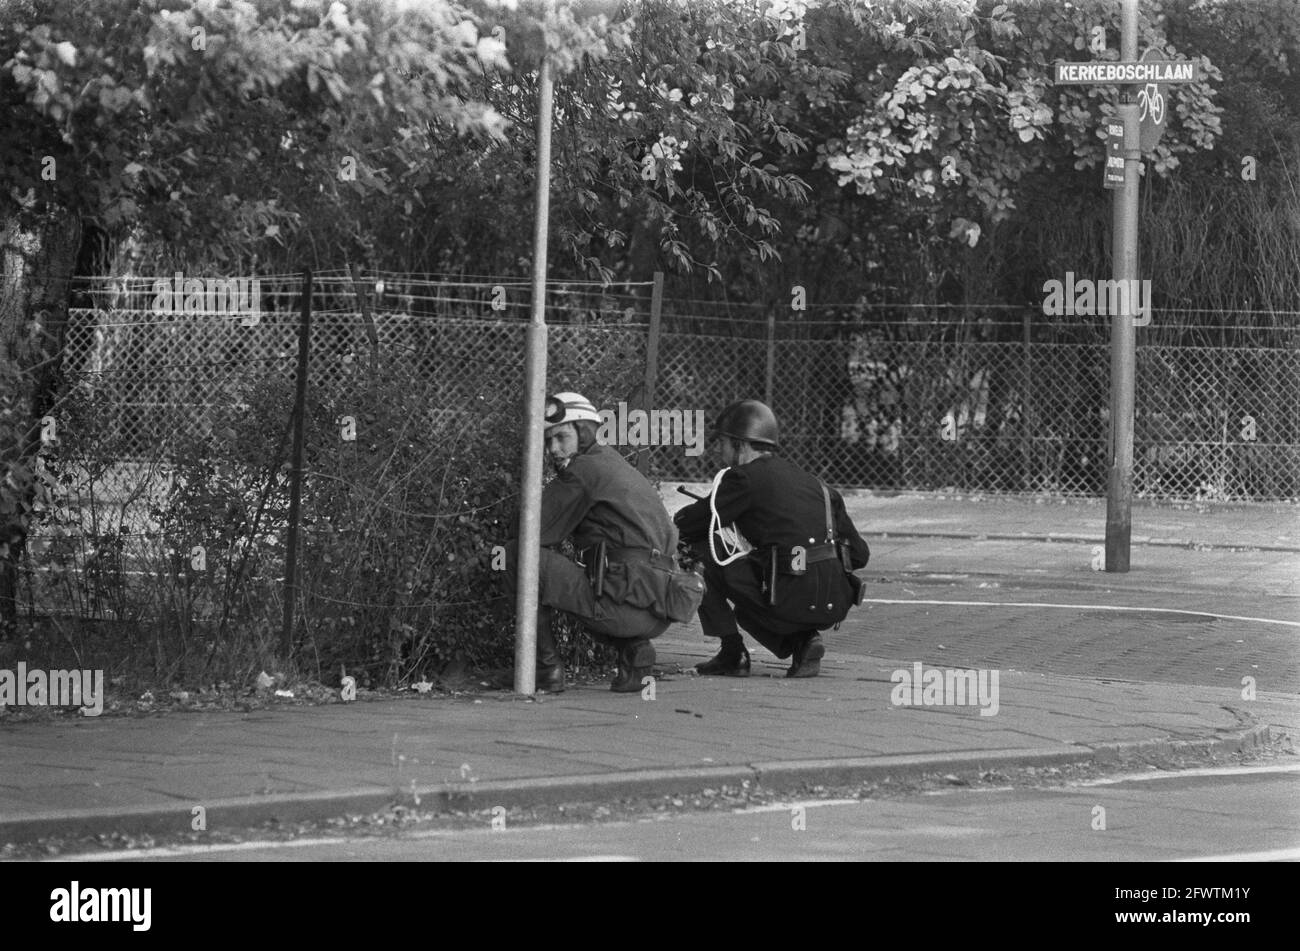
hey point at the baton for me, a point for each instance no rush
(602, 553)
(687, 492)
(771, 576)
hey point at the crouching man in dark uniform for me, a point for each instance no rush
(628, 588)
(796, 580)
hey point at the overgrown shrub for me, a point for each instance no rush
(410, 500)
(404, 500)
(410, 494)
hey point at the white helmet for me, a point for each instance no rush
(568, 408)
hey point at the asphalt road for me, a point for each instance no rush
(1220, 814)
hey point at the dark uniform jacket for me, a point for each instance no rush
(600, 497)
(774, 502)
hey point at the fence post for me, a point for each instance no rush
(295, 469)
(771, 357)
(1223, 458)
(652, 361)
(363, 299)
(1027, 412)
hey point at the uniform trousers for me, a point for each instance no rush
(564, 586)
(740, 583)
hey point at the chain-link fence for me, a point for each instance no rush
(898, 398)
(170, 369)
(999, 403)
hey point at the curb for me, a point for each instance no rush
(784, 776)
(221, 813)
(1107, 753)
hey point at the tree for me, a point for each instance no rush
(191, 122)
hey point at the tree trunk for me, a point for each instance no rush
(36, 263)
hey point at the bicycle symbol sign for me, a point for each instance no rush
(1153, 102)
(1151, 99)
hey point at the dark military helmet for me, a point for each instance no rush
(750, 420)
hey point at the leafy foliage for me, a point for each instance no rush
(216, 125)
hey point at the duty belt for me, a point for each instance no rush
(656, 558)
(596, 558)
(811, 555)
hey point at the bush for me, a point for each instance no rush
(403, 503)
(410, 485)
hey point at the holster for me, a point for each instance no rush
(771, 568)
(595, 560)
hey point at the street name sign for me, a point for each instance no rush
(1124, 74)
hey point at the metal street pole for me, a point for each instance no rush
(296, 470)
(530, 516)
(1124, 224)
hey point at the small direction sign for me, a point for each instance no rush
(1114, 173)
(1124, 74)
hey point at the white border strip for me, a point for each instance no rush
(1084, 607)
(1271, 769)
(1273, 855)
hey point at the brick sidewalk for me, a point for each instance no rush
(74, 772)
(1070, 679)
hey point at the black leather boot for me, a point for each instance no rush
(731, 661)
(808, 654)
(636, 660)
(550, 671)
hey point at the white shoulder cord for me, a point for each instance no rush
(733, 543)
